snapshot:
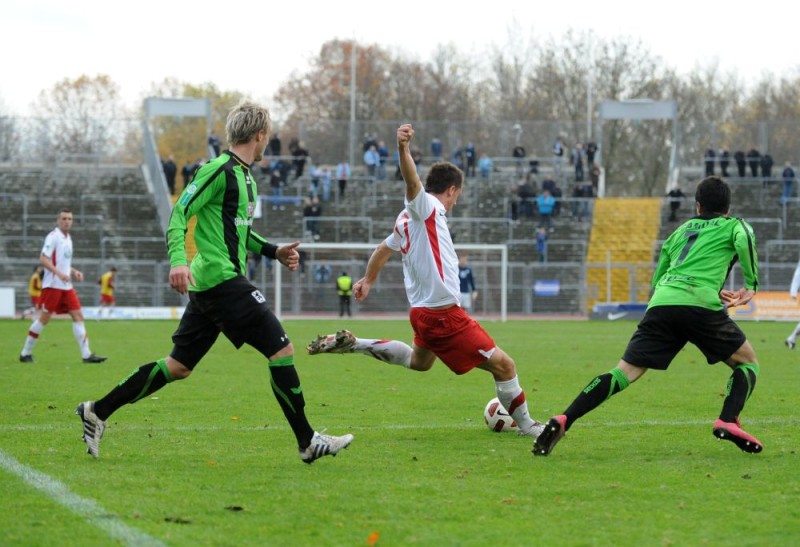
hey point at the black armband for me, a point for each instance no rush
(269, 250)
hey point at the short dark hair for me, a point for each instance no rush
(441, 176)
(714, 195)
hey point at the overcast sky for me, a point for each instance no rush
(255, 47)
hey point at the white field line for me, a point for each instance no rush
(391, 427)
(86, 508)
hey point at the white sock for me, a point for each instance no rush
(79, 332)
(795, 332)
(513, 399)
(393, 352)
(33, 335)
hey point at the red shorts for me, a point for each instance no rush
(106, 299)
(456, 338)
(36, 301)
(59, 300)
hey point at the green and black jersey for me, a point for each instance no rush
(696, 259)
(223, 197)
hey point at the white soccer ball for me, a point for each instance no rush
(497, 417)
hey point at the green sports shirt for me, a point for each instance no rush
(223, 196)
(698, 256)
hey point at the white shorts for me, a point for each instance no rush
(466, 300)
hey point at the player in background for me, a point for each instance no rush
(107, 300)
(468, 290)
(35, 292)
(58, 295)
(442, 328)
(688, 305)
(793, 288)
(222, 196)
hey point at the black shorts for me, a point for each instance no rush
(664, 331)
(237, 309)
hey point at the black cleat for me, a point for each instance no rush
(26, 359)
(94, 359)
(553, 431)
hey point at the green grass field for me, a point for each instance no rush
(211, 461)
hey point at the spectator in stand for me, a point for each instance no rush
(724, 161)
(591, 150)
(383, 152)
(741, 164)
(214, 143)
(276, 183)
(766, 166)
(788, 176)
(372, 160)
(468, 290)
(416, 155)
(541, 243)
(186, 172)
(587, 192)
(558, 157)
(299, 156)
(170, 172)
(576, 160)
(470, 153)
(675, 196)
(754, 159)
(546, 203)
(344, 287)
(369, 142)
(557, 194)
(518, 153)
(527, 196)
(274, 145)
(311, 213)
(710, 158)
(485, 166)
(315, 174)
(436, 149)
(342, 174)
(594, 175)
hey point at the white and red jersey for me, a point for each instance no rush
(430, 263)
(58, 248)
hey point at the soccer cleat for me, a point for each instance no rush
(789, 343)
(94, 359)
(341, 342)
(26, 359)
(93, 427)
(324, 445)
(555, 429)
(534, 431)
(732, 431)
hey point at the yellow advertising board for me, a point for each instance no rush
(768, 306)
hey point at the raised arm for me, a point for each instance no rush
(405, 133)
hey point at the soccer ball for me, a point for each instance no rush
(497, 417)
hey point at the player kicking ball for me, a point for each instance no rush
(688, 306)
(441, 327)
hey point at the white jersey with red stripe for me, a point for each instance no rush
(430, 263)
(58, 248)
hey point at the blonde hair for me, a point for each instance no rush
(245, 120)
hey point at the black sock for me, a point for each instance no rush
(594, 394)
(740, 387)
(286, 387)
(141, 382)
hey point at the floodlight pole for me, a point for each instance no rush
(350, 157)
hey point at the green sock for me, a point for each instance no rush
(740, 387)
(596, 393)
(140, 383)
(286, 387)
